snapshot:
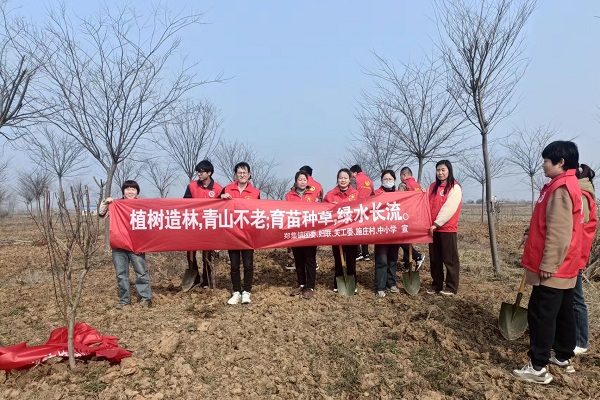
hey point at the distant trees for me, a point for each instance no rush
(482, 48)
(160, 175)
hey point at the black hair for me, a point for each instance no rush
(205, 165)
(130, 184)
(449, 182)
(242, 165)
(355, 168)
(406, 170)
(301, 172)
(388, 171)
(584, 171)
(307, 169)
(346, 170)
(562, 149)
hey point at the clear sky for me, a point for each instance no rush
(297, 69)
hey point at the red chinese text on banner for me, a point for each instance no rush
(147, 225)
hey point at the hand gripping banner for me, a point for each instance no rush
(147, 225)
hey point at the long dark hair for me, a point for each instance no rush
(584, 171)
(449, 182)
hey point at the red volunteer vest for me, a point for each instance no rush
(412, 184)
(436, 201)
(250, 192)
(536, 240)
(309, 196)
(335, 195)
(213, 190)
(363, 185)
(589, 231)
(382, 190)
(317, 188)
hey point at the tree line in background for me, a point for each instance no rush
(114, 86)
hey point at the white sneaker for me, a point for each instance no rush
(380, 293)
(529, 374)
(580, 350)
(420, 262)
(246, 297)
(236, 297)
(566, 364)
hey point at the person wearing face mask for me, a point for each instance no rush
(342, 193)
(386, 255)
(122, 258)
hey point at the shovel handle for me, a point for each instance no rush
(410, 259)
(522, 286)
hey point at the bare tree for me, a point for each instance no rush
(128, 169)
(72, 241)
(32, 185)
(16, 73)
(4, 191)
(189, 137)
(59, 154)
(482, 48)
(474, 169)
(416, 107)
(278, 188)
(369, 163)
(161, 176)
(525, 150)
(106, 77)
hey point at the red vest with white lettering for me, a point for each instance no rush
(412, 184)
(212, 191)
(589, 231)
(536, 240)
(309, 196)
(364, 185)
(335, 195)
(436, 201)
(250, 192)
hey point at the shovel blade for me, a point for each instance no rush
(512, 321)
(189, 278)
(412, 282)
(346, 285)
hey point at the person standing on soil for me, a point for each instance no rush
(551, 258)
(342, 193)
(585, 176)
(241, 188)
(203, 188)
(386, 255)
(305, 257)
(121, 258)
(409, 184)
(445, 199)
(364, 185)
(318, 189)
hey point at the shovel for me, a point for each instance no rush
(191, 275)
(411, 279)
(512, 320)
(346, 284)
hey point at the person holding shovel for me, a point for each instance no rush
(121, 257)
(342, 193)
(364, 186)
(409, 184)
(386, 255)
(203, 188)
(552, 258)
(445, 198)
(305, 257)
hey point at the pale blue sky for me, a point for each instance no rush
(297, 69)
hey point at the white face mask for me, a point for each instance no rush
(388, 184)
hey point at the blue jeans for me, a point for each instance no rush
(121, 259)
(581, 314)
(386, 264)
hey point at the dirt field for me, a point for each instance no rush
(194, 346)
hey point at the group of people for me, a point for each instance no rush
(566, 209)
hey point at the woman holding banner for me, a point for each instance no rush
(305, 257)
(342, 193)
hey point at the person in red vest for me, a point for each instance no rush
(445, 198)
(318, 189)
(342, 193)
(364, 185)
(408, 183)
(241, 188)
(590, 222)
(305, 257)
(203, 188)
(552, 258)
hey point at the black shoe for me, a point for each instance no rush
(366, 257)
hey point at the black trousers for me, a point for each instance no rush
(305, 259)
(235, 258)
(207, 257)
(386, 264)
(350, 257)
(444, 251)
(363, 249)
(415, 253)
(551, 321)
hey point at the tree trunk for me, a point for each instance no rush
(482, 199)
(71, 316)
(532, 194)
(490, 206)
(109, 180)
(420, 174)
